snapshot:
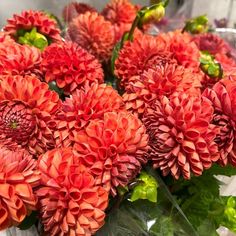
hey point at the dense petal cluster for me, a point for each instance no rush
(70, 66)
(223, 98)
(181, 138)
(73, 9)
(27, 108)
(113, 149)
(16, 59)
(30, 19)
(5, 38)
(142, 91)
(18, 177)
(69, 201)
(83, 106)
(92, 32)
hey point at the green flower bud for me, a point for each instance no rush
(197, 25)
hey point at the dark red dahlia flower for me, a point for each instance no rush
(211, 43)
(16, 59)
(223, 98)
(30, 19)
(181, 136)
(113, 149)
(73, 9)
(92, 32)
(142, 91)
(70, 203)
(27, 108)
(70, 66)
(83, 106)
(18, 175)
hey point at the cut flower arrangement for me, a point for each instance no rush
(108, 130)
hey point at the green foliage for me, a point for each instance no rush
(29, 221)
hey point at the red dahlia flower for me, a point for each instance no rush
(26, 110)
(181, 138)
(5, 38)
(113, 149)
(27, 20)
(211, 43)
(16, 59)
(69, 201)
(18, 175)
(92, 32)
(142, 91)
(223, 98)
(85, 105)
(70, 66)
(228, 64)
(73, 9)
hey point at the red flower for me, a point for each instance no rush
(85, 105)
(18, 175)
(143, 53)
(30, 19)
(181, 138)
(5, 38)
(211, 43)
(73, 9)
(69, 201)
(70, 66)
(223, 98)
(120, 11)
(228, 64)
(16, 59)
(113, 149)
(27, 107)
(142, 91)
(92, 32)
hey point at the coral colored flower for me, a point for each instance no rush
(69, 201)
(142, 91)
(223, 98)
(226, 62)
(92, 32)
(73, 9)
(143, 53)
(113, 149)
(120, 11)
(29, 19)
(211, 43)
(181, 138)
(18, 175)
(83, 106)
(5, 38)
(27, 107)
(70, 66)
(16, 59)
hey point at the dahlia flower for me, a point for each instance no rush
(83, 106)
(142, 91)
(92, 32)
(70, 203)
(113, 149)
(70, 66)
(211, 43)
(73, 9)
(27, 107)
(181, 138)
(228, 64)
(29, 19)
(18, 177)
(5, 38)
(16, 59)
(223, 98)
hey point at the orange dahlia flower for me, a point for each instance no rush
(16, 59)
(69, 201)
(29, 19)
(113, 149)
(18, 177)
(83, 106)
(27, 107)
(92, 32)
(223, 98)
(70, 66)
(181, 136)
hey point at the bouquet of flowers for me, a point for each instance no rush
(108, 130)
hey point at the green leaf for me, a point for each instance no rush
(114, 56)
(162, 227)
(40, 43)
(29, 221)
(228, 170)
